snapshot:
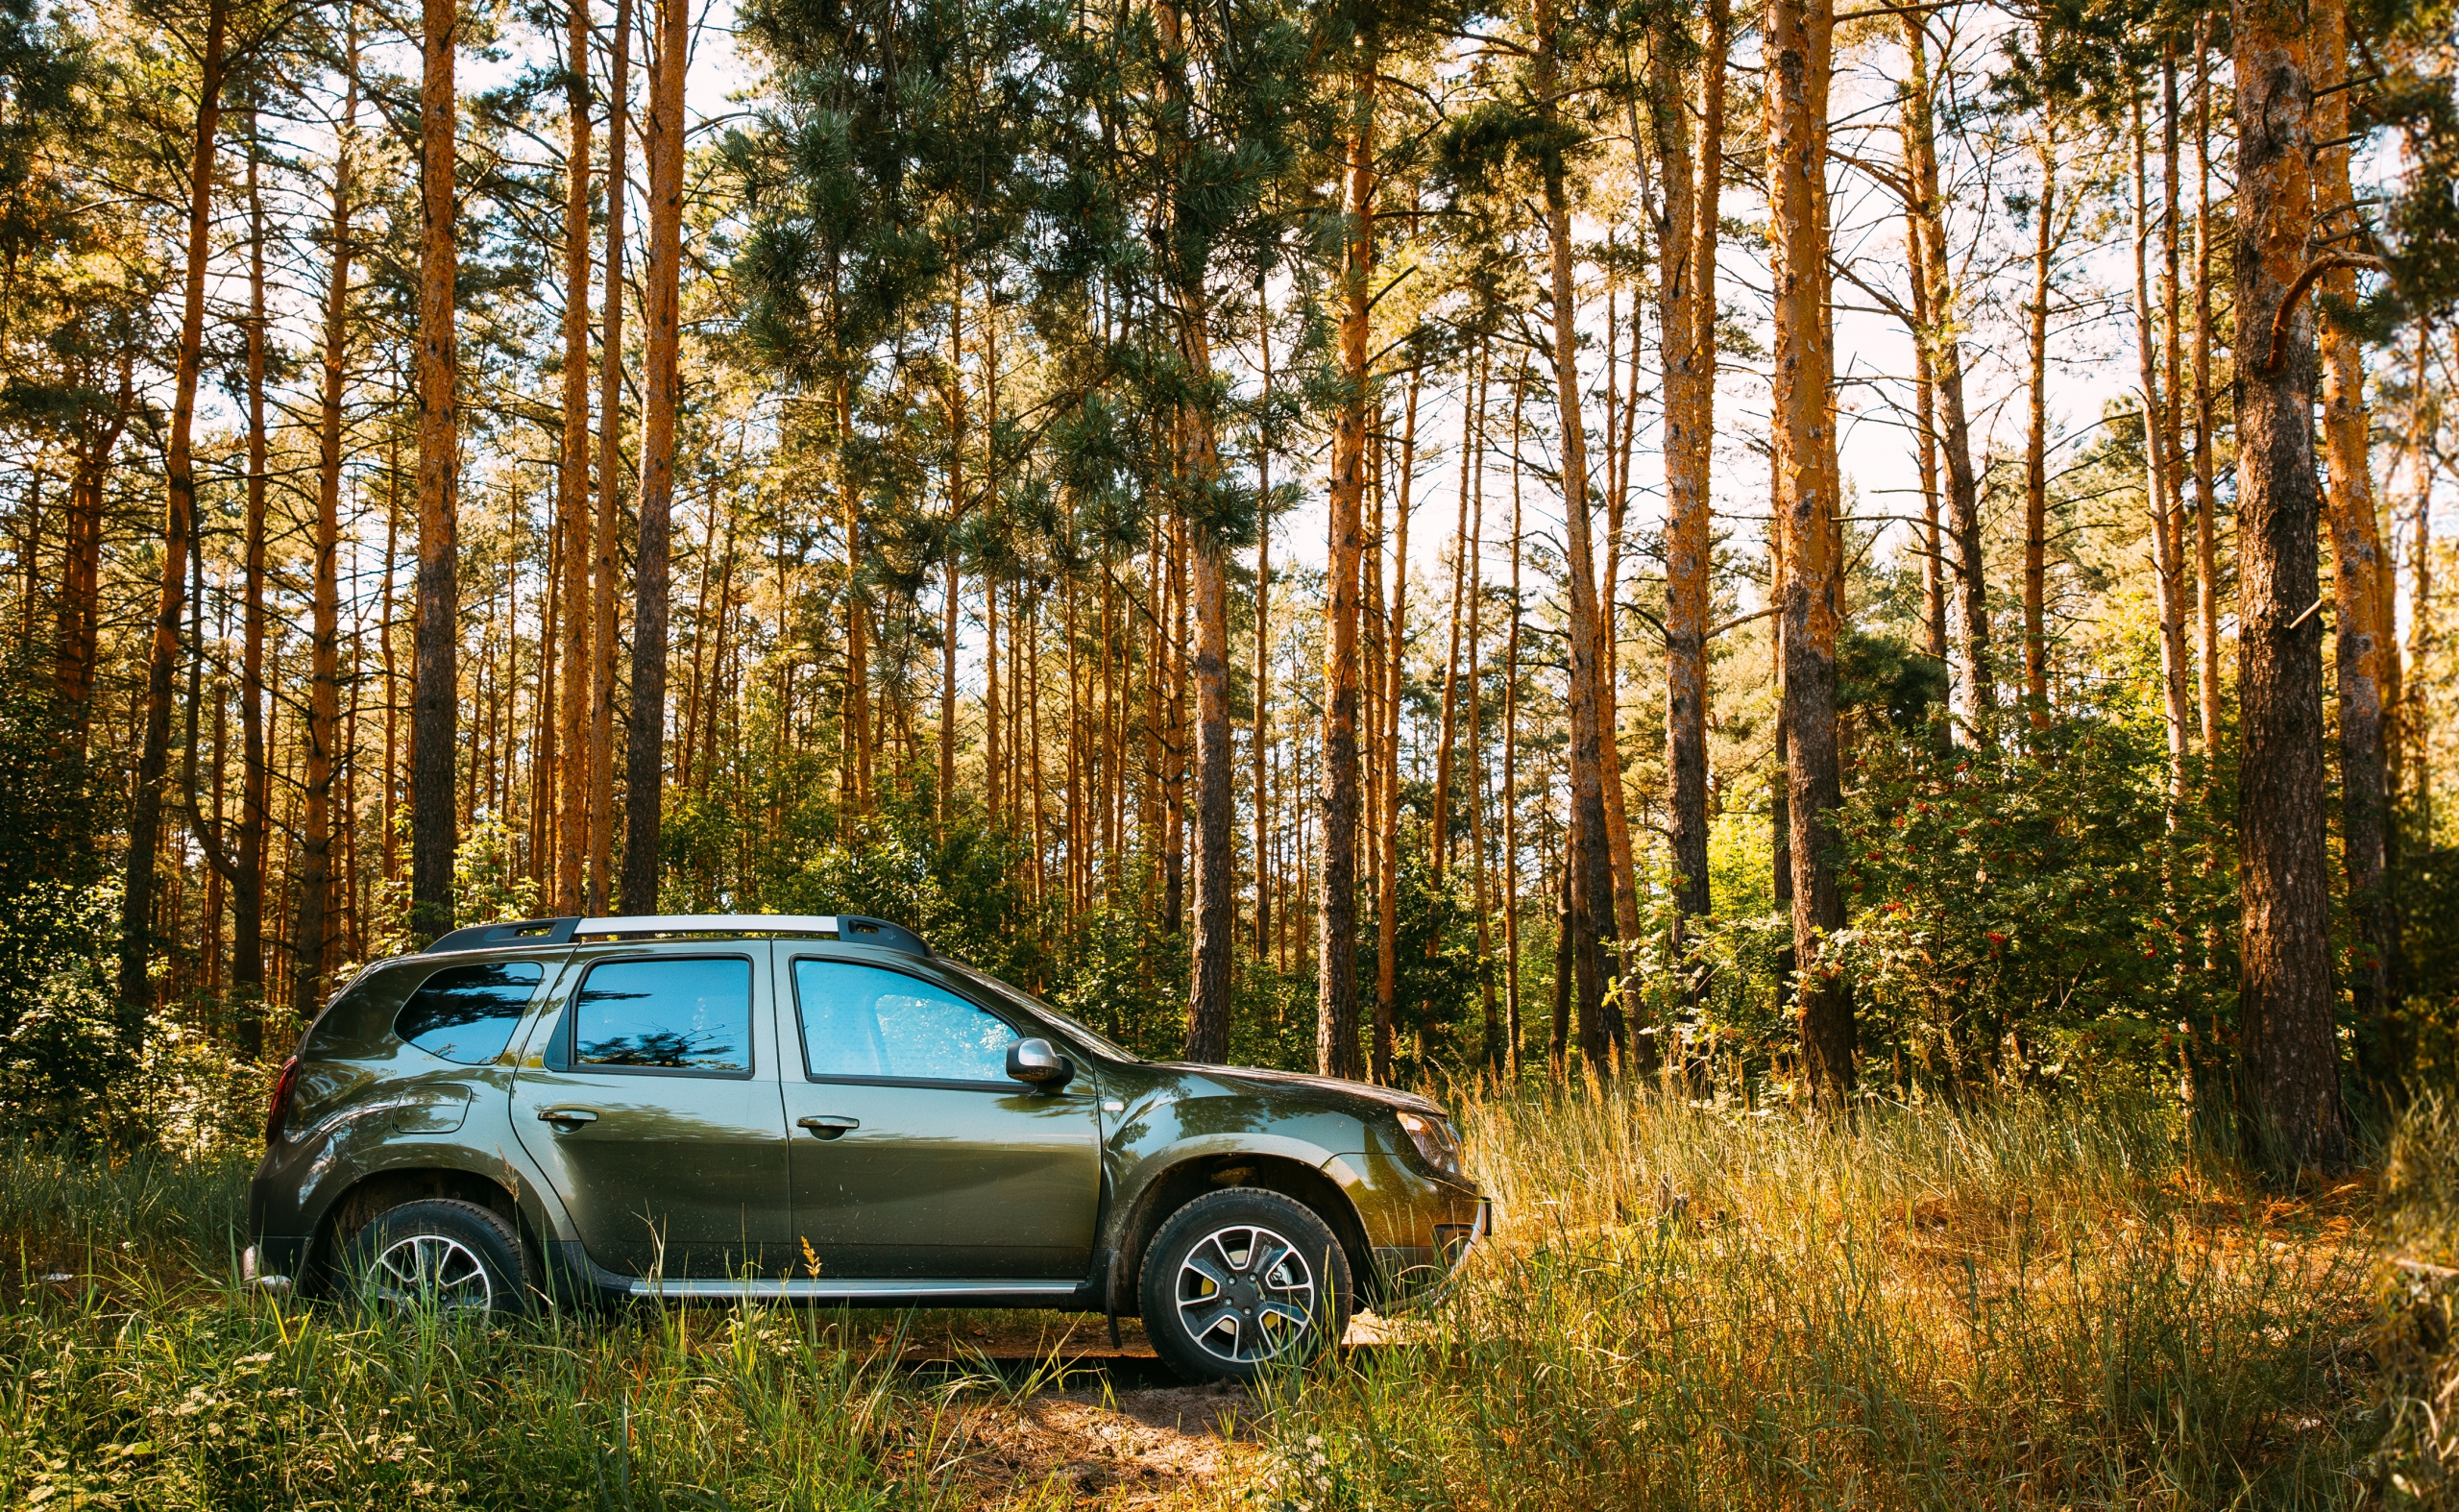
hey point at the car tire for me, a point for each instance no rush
(1240, 1281)
(453, 1256)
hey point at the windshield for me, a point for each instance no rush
(1024, 999)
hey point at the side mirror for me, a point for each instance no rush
(1035, 1062)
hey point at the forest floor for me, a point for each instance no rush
(2029, 1306)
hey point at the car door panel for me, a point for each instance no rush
(670, 1160)
(961, 1174)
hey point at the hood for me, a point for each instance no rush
(1261, 1080)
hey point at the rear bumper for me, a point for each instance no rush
(272, 1262)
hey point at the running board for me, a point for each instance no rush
(903, 1293)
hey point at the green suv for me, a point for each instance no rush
(825, 1110)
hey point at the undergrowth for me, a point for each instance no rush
(2025, 1306)
(2021, 1306)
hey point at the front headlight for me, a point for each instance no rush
(1436, 1140)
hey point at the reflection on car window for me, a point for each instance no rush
(1068, 1021)
(466, 1013)
(864, 1021)
(688, 1014)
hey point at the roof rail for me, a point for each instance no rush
(510, 932)
(852, 929)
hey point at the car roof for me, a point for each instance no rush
(850, 928)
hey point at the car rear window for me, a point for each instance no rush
(666, 1014)
(466, 1013)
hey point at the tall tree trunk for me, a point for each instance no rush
(1473, 438)
(572, 482)
(1216, 855)
(1799, 48)
(1441, 848)
(2167, 580)
(1977, 690)
(1264, 877)
(2289, 1086)
(854, 783)
(2207, 506)
(2173, 508)
(256, 774)
(1337, 903)
(179, 528)
(437, 691)
(2036, 434)
(945, 796)
(661, 397)
(2365, 632)
(82, 552)
(610, 472)
(2422, 632)
(1925, 391)
(1387, 914)
(1692, 209)
(1592, 904)
(311, 939)
(1512, 1027)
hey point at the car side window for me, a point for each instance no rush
(466, 1013)
(864, 1021)
(689, 1014)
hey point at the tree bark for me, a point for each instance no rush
(1263, 646)
(1799, 47)
(1441, 851)
(178, 528)
(661, 399)
(1336, 904)
(1387, 914)
(2168, 581)
(2206, 557)
(1473, 438)
(256, 774)
(2036, 434)
(311, 939)
(944, 796)
(1692, 209)
(1216, 856)
(2289, 1085)
(610, 472)
(1512, 1025)
(2361, 602)
(436, 694)
(1591, 900)
(572, 482)
(1977, 692)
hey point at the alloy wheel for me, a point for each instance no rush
(433, 1270)
(1246, 1294)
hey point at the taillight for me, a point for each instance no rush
(278, 1106)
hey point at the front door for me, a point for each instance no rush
(914, 1153)
(653, 1107)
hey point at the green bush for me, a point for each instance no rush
(2035, 910)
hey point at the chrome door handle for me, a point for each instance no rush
(560, 1116)
(828, 1126)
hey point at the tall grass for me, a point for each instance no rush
(2418, 1462)
(2029, 1305)
(136, 1373)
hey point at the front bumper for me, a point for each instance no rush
(1418, 1277)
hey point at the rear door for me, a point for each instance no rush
(913, 1154)
(653, 1104)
